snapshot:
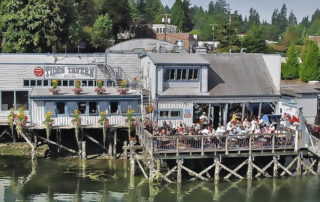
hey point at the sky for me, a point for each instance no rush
(265, 8)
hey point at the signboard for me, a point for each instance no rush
(187, 111)
(187, 115)
(38, 71)
(58, 72)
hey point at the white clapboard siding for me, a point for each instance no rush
(171, 104)
(4, 114)
(38, 117)
(204, 80)
(181, 84)
(129, 63)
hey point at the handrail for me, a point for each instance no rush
(123, 74)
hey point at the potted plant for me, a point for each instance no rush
(100, 89)
(55, 89)
(20, 121)
(130, 120)
(48, 122)
(104, 121)
(77, 90)
(76, 121)
(133, 141)
(123, 89)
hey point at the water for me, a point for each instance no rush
(103, 180)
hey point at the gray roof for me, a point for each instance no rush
(147, 44)
(67, 92)
(296, 88)
(239, 75)
(176, 58)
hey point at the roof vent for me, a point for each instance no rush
(313, 82)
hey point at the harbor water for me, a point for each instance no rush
(109, 180)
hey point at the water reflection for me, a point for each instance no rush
(101, 180)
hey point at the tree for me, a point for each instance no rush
(168, 10)
(142, 29)
(305, 21)
(283, 21)
(315, 27)
(292, 19)
(152, 9)
(211, 10)
(316, 15)
(291, 35)
(310, 69)
(37, 25)
(102, 31)
(135, 12)
(254, 17)
(119, 13)
(290, 69)
(255, 40)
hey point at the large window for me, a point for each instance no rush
(181, 74)
(170, 114)
(14, 99)
(114, 108)
(82, 106)
(104, 107)
(93, 108)
(60, 108)
(71, 107)
(124, 107)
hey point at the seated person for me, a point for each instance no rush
(245, 123)
(220, 130)
(180, 129)
(257, 130)
(205, 131)
(272, 128)
(229, 126)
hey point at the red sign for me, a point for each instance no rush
(187, 115)
(38, 71)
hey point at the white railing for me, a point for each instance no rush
(314, 144)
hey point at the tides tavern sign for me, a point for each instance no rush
(58, 72)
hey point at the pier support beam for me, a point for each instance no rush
(115, 143)
(318, 171)
(249, 172)
(125, 151)
(179, 175)
(132, 168)
(83, 150)
(275, 167)
(299, 166)
(217, 170)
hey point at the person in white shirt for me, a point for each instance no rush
(272, 128)
(220, 130)
(261, 121)
(245, 123)
(253, 124)
(229, 126)
(205, 131)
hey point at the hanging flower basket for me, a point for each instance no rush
(20, 120)
(48, 122)
(55, 89)
(100, 90)
(149, 109)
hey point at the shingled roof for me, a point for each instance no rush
(296, 88)
(239, 75)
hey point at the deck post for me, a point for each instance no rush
(202, 143)
(299, 166)
(273, 143)
(227, 140)
(217, 170)
(275, 167)
(115, 143)
(110, 150)
(249, 172)
(250, 144)
(179, 172)
(177, 146)
(125, 151)
(132, 162)
(158, 165)
(33, 149)
(83, 149)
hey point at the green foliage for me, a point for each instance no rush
(315, 27)
(226, 34)
(255, 40)
(141, 30)
(181, 15)
(290, 69)
(39, 25)
(310, 69)
(102, 31)
(291, 35)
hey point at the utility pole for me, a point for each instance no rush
(229, 9)
(166, 20)
(213, 45)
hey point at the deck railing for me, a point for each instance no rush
(203, 143)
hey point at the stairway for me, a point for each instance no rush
(145, 97)
(314, 145)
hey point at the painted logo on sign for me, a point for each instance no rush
(38, 71)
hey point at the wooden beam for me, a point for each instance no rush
(217, 170)
(288, 167)
(263, 171)
(207, 169)
(94, 140)
(125, 151)
(309, 168)
(63, 147)
(285, 169)
(236, 169)
(231, 171)
(299, 166)
(249, 171)
(194, 173)
(179, 175)
(4, 132)
(275, 167)
(144, 173)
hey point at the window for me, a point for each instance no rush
(60, 109)
(71, 83)
(181, 74)
(170, 114)
(65, 83)
(193, 74)
(134, 105)
(39, 82)
(91, 83)
(84, 83)
(50, 107)
(71, 107)
(7, 99)
(33, 83)
(93, 108)
(59, 82)
(109, 83)
(26, 83)
(104, 107)
(124, 107)
(82, 107)
(113, 107)
(46, 83)
(22, 99)
(164, 113)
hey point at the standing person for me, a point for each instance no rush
(204, 120)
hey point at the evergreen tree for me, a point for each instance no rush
(292, 19)
(290, 69)
(211, 11)
(168, 10)
(101, 32)
(283, 21)
(310, 69)
(255, 40)
(135, 12)
(291, 35)
(274, 18)
(181, 15)
(315, 27)
(316, 15)
(305, 21)
(254, 17)
(152, 9)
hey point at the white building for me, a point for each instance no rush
(160, 28)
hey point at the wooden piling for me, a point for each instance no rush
(63, 147)
(83, 149)
(299, 166)
(249, 172)
(125, 151)
(158, 165)
(110, 150)
(57, 137)
(273, 143)
(132, 168)
(179, 175)
(115, 143)
(217, 170)
(318, 171)
(275, 167)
